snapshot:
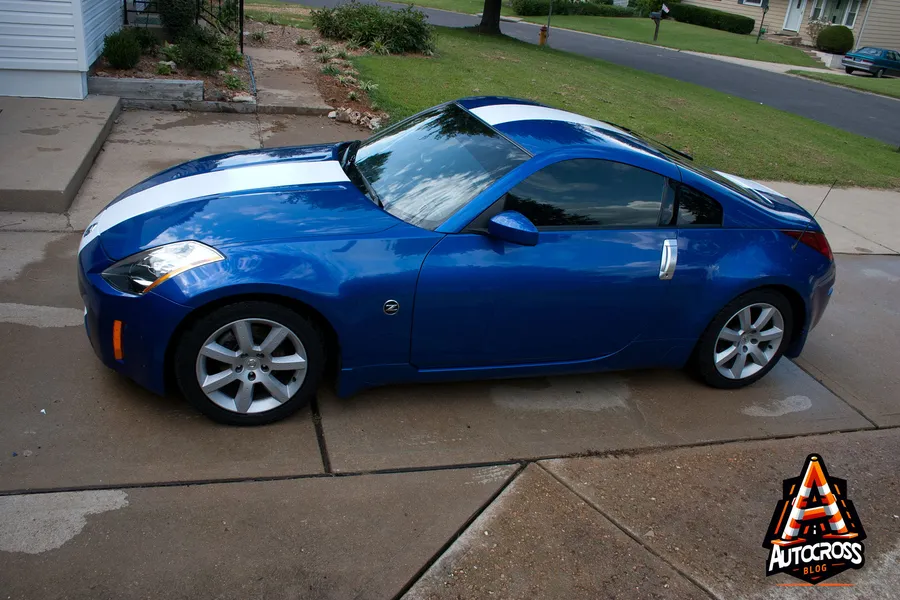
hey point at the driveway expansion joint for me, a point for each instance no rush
(631, 534)
(837, 393)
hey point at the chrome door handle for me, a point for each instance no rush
(669, 259)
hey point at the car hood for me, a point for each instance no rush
(283, 193)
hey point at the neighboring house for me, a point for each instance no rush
(874, 22)
(47, 46)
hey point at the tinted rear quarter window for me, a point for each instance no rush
(696, 208)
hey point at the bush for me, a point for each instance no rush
(539, 8)
(645, 7)
(714, 19)
(122, 49)
(145, 38)
(178, 16)
(201, 49)
(397, 31)
(835, 39)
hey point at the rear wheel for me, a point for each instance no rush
(745, 340)
(848, 70)
(879, 73)
(250, 363)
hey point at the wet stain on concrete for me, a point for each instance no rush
(41, 131)
(879, 274)
(40, 316)
(567, 393)
(42, 522)
(779, 408)
(43, 149)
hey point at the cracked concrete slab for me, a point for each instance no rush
(706, 509)
(854, 348)
(539, 540)
(348, 537)
(473, 422)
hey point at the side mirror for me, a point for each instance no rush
(514, 227)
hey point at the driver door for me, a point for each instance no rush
(590, 287)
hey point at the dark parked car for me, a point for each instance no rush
(877, 61)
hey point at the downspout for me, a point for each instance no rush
(863, 28)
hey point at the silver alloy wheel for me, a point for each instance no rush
(748, 341)
(251, 365)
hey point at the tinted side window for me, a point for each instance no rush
(589, 193)
(696, 208)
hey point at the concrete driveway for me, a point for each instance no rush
(438, 491)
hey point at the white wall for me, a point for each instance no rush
(47, 46)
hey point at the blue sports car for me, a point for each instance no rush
(482, 238)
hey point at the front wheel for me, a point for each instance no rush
(745, 340)
(249, 363)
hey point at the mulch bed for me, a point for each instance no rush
(214, 87)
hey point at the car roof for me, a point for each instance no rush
(539, 128)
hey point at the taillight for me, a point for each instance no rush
(814, 239)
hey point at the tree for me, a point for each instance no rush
(490, 17)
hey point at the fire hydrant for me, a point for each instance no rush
(542, 38)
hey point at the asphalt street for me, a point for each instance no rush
(864, 114)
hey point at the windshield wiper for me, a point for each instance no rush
(348, 163)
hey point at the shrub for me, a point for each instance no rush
(178, 16)
(302, 41)
(122, 50)
(145, 38)
(398, 31)
(835, 39)
(592, 8)
(367, 86)
(201, 49)
(353, 96)
(714, 19)
(815, 27)
(644, 7)
(171, 52)
(330, 70)
(258, 36)
(164, 68)
(233, 82)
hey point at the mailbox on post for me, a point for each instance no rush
(656, 16)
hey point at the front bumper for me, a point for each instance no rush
(148, 324)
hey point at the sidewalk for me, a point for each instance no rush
(684, 523)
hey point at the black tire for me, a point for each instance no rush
(848, 70)
(191, 341)
(703, 360)
(879, 73)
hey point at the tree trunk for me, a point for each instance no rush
(490, 17)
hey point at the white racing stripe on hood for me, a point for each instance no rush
(239, 179)
(506, 113)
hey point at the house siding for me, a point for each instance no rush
(101, 17)
(47, 46)
(774, 18)
(882, 28)
(38, 35)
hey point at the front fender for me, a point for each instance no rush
(346, 281)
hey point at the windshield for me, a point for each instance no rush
(428, 167)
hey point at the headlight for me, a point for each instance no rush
(145, 270)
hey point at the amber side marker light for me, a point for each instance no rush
(117, 340)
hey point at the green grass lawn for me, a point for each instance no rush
(883, 86)
(728, 133)
(685, 37)
(277, 13)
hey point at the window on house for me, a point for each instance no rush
(817, 10)
(852, 11)
(589, 193)
(751, 2)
